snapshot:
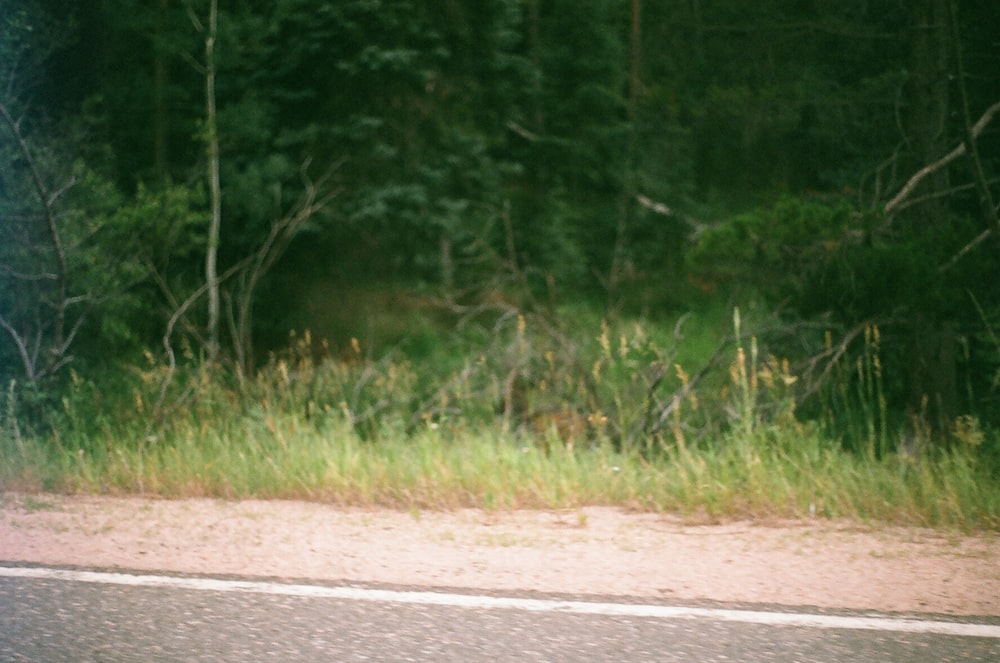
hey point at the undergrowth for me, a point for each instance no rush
(519, 413)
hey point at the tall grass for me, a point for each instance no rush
(855, 403)
(363, 431)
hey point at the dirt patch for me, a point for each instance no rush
(598, 551)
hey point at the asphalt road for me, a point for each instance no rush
(71, 615)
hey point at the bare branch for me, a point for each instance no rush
(892, 207)
(194, 18)
(980, 238)
(281, 234)
(22, 349)
(58, 193)
(46, 201)
(172, 302)
(168, 347)
(832, 356)
(662, 209)
(63, 350)
(878, 176)
(968, 138)
(526, 134)
(21, 276)
(79, 299)
(653, 206)
(939, 194)
(678, 396)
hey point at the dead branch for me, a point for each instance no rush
(832, 356)
(178, 314)
(968, 138)
(935, 195)
(281, 234)
(892, 207)
(47, 200)
(679, 395)
(61, 340)
(662, 209)
(965, 250)
(22, 350)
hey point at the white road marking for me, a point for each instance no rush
(806, 620)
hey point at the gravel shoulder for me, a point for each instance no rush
(593, 551)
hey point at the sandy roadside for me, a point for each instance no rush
(594, 551)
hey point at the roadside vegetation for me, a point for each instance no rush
(530, 418)
(722, 259)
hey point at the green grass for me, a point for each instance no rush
(394, 433)
(776, 474)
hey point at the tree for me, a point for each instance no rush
(215, 188)
(902, 253)
(249, 268)
(56, 269)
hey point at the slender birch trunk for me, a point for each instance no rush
(211, 255)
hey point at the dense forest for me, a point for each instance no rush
(185, 183)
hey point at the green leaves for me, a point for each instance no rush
(768, 247)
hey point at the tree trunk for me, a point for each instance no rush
(619, 258)
(933, 374)
(933, 392)
(928, 98)
(211, 255)
(160, 78)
